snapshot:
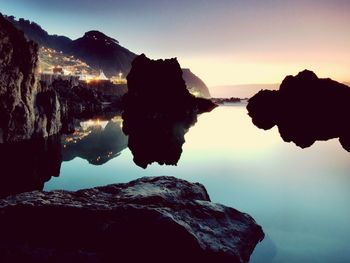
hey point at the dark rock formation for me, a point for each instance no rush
(305, 109)
(95, 143)
(26, 110)
(26, 166)
(153, 219)
(158, 112)
(195, 84)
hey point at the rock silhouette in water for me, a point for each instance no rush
(158, 111)
(26, 166)
(305, 109)
(95, 143)
(152, 219)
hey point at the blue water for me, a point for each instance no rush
(299, 196)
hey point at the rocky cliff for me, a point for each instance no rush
(26, 109)
(305, 109)
(153, 219)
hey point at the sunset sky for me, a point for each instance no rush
(224, 41)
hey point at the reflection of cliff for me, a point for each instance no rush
(96, 141)
(158, 112)
(26, 166)
(305, 109)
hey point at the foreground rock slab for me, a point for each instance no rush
(153, 219)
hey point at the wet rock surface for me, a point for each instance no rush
(152, 219)
(305, 109)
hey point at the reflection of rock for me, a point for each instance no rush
(158, 112)
(265, 251)
(153, 219)
(305, 109)
(26, 166)
(95, 143)
(157, 140)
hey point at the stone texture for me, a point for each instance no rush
(26, 109)
(152, 219)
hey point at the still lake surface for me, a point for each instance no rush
(301, 197)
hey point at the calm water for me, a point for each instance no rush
(300, 197)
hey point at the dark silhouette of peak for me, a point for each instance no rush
(36, 33)
(102, 52)
(99, 36)
(305, 109)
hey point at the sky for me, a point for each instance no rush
(224, 42)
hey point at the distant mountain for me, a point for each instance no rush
(95, 48)
(34, 32)
(195, 84)
(101, 51)
(98, 50)
(240, 91)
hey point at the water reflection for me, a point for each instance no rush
(28, 165)
(157, 138)
(95, 141)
